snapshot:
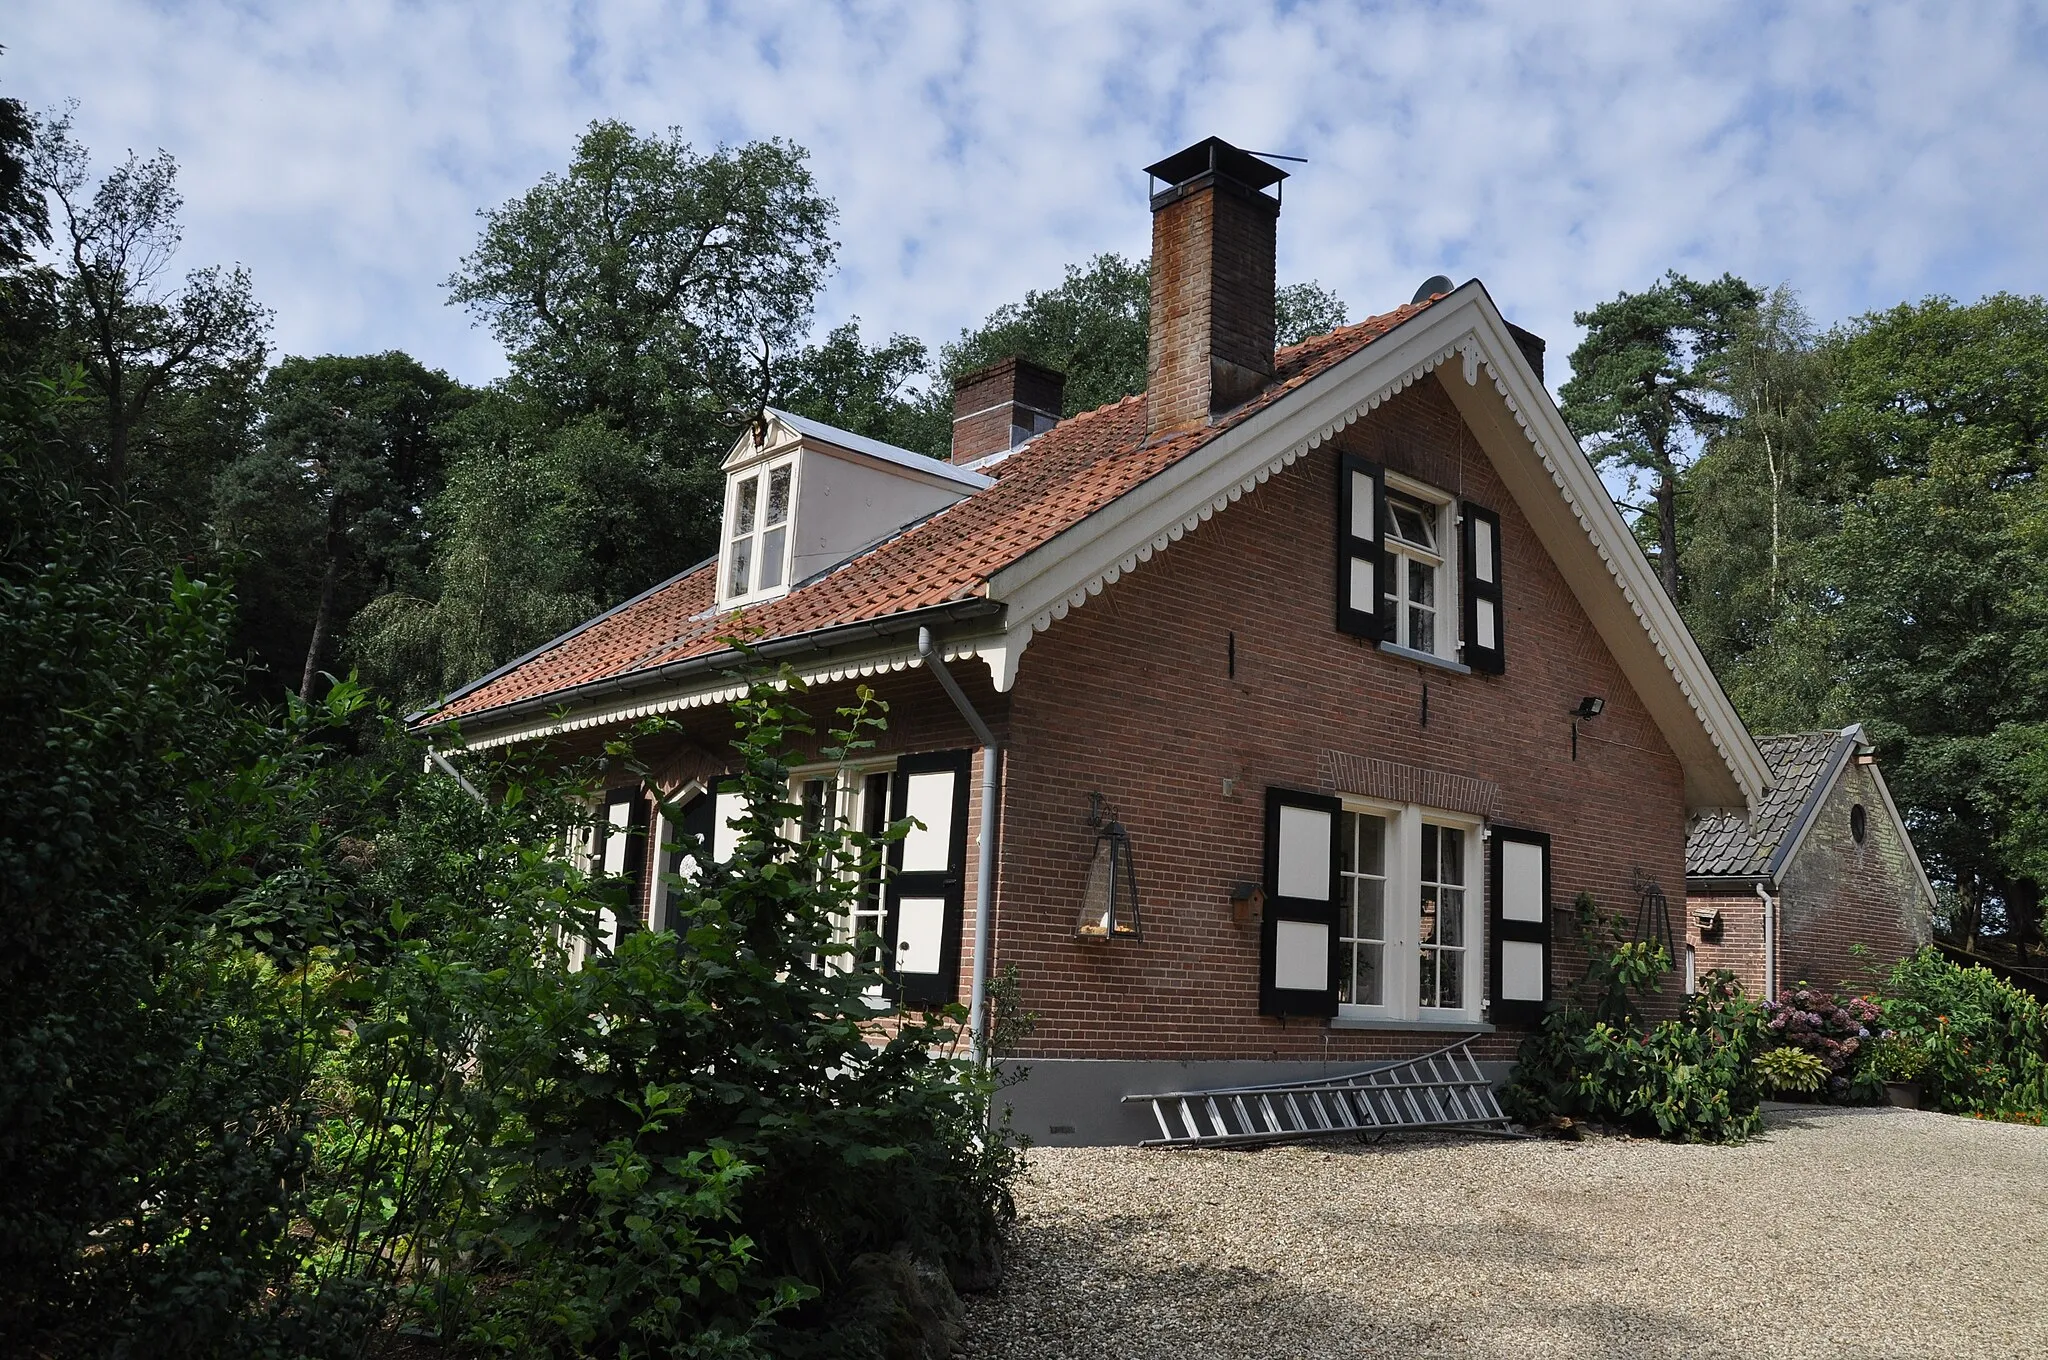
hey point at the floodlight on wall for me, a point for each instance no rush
(1109, 895)
(1589, 708)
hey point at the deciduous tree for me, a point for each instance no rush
(143, 338)
(330, 504)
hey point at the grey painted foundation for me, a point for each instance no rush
(1078, 1102)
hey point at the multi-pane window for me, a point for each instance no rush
(1441, 920)
(757, 555)
(852, 799)
(1407, 913)
(1362, 910)
(1415, 561)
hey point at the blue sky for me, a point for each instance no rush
(1865, 154)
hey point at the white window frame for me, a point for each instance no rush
(847, 802)
(1401, 968)
(758, 475)
(665, 833)
(1444, 559)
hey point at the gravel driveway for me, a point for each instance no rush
(1840, 1232)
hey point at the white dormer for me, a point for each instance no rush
(806, 496)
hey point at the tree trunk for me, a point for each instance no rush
(1667, 530)
(323, 618)
(1777, 498)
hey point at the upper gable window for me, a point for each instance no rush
(757, 532)
(1417, 586)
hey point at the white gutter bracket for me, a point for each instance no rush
(985, 845)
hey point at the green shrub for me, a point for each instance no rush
(1687, 1079)
(1898, 1057)
(1791, 1069)
(291, 1047)
(1985, 1041)
(1837, 1030)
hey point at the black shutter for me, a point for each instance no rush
(1485, 645)
(926, 885)
(1518, 911)
(1298, 938)
(685, 839)
(622, 851)
(1362, 606)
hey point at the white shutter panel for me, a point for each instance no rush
(1298, 938)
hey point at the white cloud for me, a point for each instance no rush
(1864, 154)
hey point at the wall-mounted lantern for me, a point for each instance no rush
(1109, 896)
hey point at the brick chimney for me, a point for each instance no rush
(1213, 241)
(999, 407)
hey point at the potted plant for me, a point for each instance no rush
(1897, 1061)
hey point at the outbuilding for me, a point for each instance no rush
(1819, 883)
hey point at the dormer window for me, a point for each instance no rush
(801, 497)
(757, 546)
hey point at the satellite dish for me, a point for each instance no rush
(1434, 284)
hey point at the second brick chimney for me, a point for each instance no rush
(1214, 231)
(999, 407)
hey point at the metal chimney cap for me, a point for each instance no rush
(1213, 154)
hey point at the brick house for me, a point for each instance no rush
(1819, 883)
(1313, 639)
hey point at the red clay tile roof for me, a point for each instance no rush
(1046, 487)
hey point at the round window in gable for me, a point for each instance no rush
(1859, 823)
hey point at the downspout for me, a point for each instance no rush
(985, 846)
(1770, 944)
(436, 758)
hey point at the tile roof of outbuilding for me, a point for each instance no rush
(1043, 488)
(1731, 845)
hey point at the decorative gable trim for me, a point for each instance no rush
(678, 698)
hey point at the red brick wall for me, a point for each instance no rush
(1839, 894)
(1130, 695)
(1740, 946)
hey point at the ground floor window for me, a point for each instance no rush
(1407, 923)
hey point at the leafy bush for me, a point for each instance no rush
(1837, 1030)
(1985, 1041)
(1897, 1056)
(290, 1037)
(1687, 1079)
(1791, 1069)
(163, 904)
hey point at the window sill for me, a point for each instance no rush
(1426, 658)
(1413, 1026)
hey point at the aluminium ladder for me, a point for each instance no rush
(1442, 1090)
